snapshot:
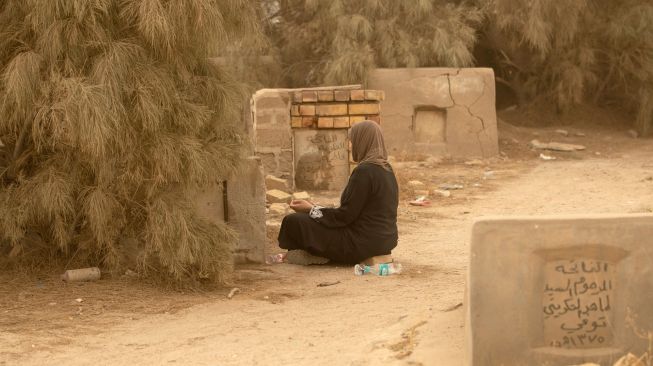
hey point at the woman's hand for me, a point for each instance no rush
(301, 206)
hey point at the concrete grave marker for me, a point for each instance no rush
(321, 159)
(557, 291)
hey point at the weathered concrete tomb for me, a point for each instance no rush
(439, 111)
(559, 291)
(302, 134)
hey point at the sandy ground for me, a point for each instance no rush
(282, 317)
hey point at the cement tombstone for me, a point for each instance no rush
(558, 291)
(321, 159)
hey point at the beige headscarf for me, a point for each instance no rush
(367, 144)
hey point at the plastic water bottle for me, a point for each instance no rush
(383, 269)
(275, 258)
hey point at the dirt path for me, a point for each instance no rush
(413, 318)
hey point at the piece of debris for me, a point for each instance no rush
(451, 187)
(272, 182)
(130, 273)
(597, 153)
(277, 196)
(556, 146)
(580, 134)
(278, 208)
(415, 184)
(420, 201)
(547, 157)
(301, 196)
(474, 162)
(325, 284)
(233, 292)
(453, 307)
(442, 192)
(80, 300)
(632, 133)
(562, 132)
(488, 175)
(83, 274)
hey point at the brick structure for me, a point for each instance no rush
(301, 134)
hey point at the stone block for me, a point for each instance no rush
(341, 95)
(307, 109)
(357, 94)
(341, 122)
(309, 121)
(376, 95)
(325, 122)
(296, 122)
(558, 290)
(294, 110)
(278, 209)
(364, 108)
(301, 196)
(339, 109)
(277, 137)
(277, 196)
(325, 96)
(272, 182)
(309, 96)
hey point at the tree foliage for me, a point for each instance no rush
(338, 42)
(112, 116)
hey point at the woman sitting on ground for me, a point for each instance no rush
(365, 224)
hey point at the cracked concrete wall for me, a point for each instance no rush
(466, 96)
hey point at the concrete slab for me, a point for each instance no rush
(558, 290)
(321, 159)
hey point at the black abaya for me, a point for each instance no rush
(364, 226)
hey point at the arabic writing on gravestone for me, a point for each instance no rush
(577, 303)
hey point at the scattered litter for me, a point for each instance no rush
(442, 192)
(556, 146)
(453, 307)
(83, 274)
(420, 201)
(562, 132)
(233, 292)
(325, 284)
(275, 258)
(79, 300)
(547, 157)
(633, 134)
(451, 187)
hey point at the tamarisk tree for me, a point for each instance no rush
(111, 116)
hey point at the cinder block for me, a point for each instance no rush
(341, 95)
(325, 95)
(331, 109)
(309, 121)
(325, 122)
(307, 109)
(358, 95)
(341, 122)
(376, 95)
(364, 108)
(294, 110)
(296, 122)
(309, 96)
(356, 119)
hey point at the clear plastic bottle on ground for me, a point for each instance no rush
(383, 269)
(275, 258)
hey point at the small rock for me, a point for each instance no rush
(415, 184)
(301, 196)
(451, 187)
(547, 157)
(633, 134)
(562, 132)
(556, 146)
(272, 182)
(442, 193)
(278, 208)
(277, 196)
(79, 300)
